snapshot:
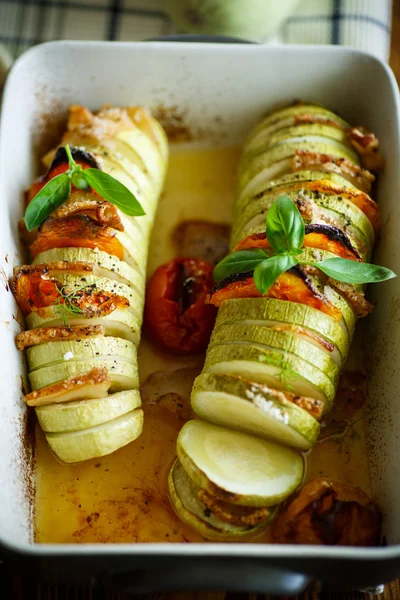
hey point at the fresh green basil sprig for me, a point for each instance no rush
(285, 233)
(58, 189)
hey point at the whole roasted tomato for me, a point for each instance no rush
(176, 316)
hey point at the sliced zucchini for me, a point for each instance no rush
(83, 414)
(148, 152)
(280, 370)
(52, 353)
(309, 131)
(289, 179)
(137, 168)
(105, 265)
(249, 168)
(183, 493)
(123, 373)
(113, 161)
(236, 403)
(75, 446)
(119, 323)
(259, 310)
(283, 341)
(237, 467)
(276, 118)
(280, 125)
(134, 251)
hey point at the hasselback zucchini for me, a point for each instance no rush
(83, 294)
(272, 366)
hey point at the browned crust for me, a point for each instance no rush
(356, 299)
(367, 145)
(60, 265)
(92, 378)
(82, 202)
(306, 118)
(235, 515)
(304, 159)
(41, 335)
(85, 127)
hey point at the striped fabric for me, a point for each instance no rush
(364, 24)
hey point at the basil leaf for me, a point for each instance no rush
(269, 270)
(238, 262)
(284, 225)
(351, 271)
(112, 190)
(50, 197)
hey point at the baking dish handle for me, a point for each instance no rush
(222, 575)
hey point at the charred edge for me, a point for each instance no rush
(334, 234)
(235, 277)
(300, 272)
(231, 279)
(77, 154)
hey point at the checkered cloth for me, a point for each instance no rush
(364, 24)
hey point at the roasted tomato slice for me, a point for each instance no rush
(293, 285)
(60, 165)
(321, 236)
(35, 288)
(176, 315)
(325, 512)
(76, 231)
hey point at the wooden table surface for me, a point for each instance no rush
(20, 589)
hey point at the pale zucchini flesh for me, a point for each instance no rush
(282, 341)
(83, 414)
(76, 446)
(237, 467)
(119, 323)
(242, 405)
(106, 265)
(255, 165)
(275, 369)
(123, 373)
(55, 352)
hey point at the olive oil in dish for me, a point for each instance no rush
(123, 497)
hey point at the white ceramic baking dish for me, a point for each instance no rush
(224, 89)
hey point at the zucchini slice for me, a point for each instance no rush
(53, 353)
(309, 131)
(75, 446)
(236, 467)
(105, 265)
(282, 341)
(278, 118)
(242, 405)
(288, 179)
(254, 169)
(119, 323)
(83, 414)
(259, 310)
(280, 370)
(123, 373)
(184, 496)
